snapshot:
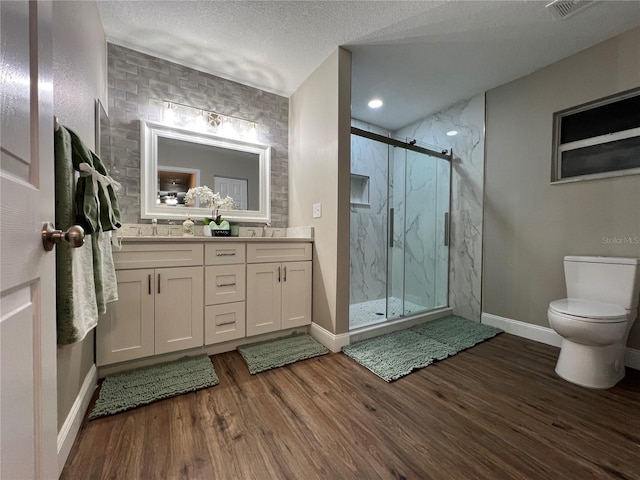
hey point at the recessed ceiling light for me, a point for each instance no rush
(452, 133)
(375, 103)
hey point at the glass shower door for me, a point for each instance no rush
(418, 251)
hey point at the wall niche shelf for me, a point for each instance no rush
(360, 190)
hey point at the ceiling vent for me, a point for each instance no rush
(562, 9)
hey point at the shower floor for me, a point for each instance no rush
(373, 311)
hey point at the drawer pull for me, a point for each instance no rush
(220, 254)
(225, 323)
(149, 284)
(158, 283)
(226, 284)
(284, 269)
(278, 274)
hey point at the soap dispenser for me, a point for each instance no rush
(187, 227)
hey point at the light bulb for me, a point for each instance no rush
(169, 114)
(253, 132)
(200, 122)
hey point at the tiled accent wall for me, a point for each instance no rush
(138, 86)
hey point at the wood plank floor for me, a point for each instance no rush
(496, 411)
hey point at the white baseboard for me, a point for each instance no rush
(545, 335)
(69, 431)
(330, 340)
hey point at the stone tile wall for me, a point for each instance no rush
(138, 86)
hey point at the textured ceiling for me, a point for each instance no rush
(418, 56)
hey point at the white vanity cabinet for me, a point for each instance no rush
(278, 286)
(225, 292)
(160, 302)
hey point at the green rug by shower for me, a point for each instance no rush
(127, 390)
(397, 354)
(270, 354)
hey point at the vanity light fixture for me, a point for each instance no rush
(200, 119)
(452, 133)
(375, 103)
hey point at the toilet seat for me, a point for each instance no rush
(589, 310)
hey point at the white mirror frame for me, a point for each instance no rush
(149, 133)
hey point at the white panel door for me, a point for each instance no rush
(28, 410)
(179, 309)
(236, 188)
(296, 294)
(264, 302)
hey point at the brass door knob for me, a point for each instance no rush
(74, 236)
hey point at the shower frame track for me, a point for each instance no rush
(448, 156)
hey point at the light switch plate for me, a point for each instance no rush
(317, 210)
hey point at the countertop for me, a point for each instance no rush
(174, 239)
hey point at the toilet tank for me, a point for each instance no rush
(606, 279)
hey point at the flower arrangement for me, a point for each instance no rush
(213, 201)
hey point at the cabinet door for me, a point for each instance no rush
(126, 331)
(179, 309)
(296, 294)
(264, 288)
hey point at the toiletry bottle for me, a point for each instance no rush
(154, 227)
(187, 227)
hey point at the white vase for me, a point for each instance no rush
(207, 231)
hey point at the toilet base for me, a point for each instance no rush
(591, 366)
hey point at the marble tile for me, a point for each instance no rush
(368, 223)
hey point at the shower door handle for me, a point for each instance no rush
(446, 229)
(391, 226)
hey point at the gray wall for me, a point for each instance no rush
(138, 85)
(530, 224)
(79, 77)
(319, 172)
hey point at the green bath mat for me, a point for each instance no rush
(397, 354)
(270, 354)
(127, 390)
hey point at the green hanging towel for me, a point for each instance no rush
(96, 202)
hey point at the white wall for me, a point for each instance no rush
(530, 224)
(79, 77)
(319, 153)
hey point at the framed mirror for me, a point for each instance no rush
(174, 159)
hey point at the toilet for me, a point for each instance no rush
(595, 320)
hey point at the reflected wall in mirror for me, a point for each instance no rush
(103, 135)
(176, 159)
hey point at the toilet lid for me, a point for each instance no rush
(592, 309)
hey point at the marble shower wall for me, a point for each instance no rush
(465, 268)
(368, 246)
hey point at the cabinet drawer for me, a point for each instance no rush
(224, 284)
(224, 253)
(278, 252)
(224, 322)
(153, 255)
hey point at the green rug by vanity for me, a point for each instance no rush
(270, 354)
(397, 354)
(127, 390)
